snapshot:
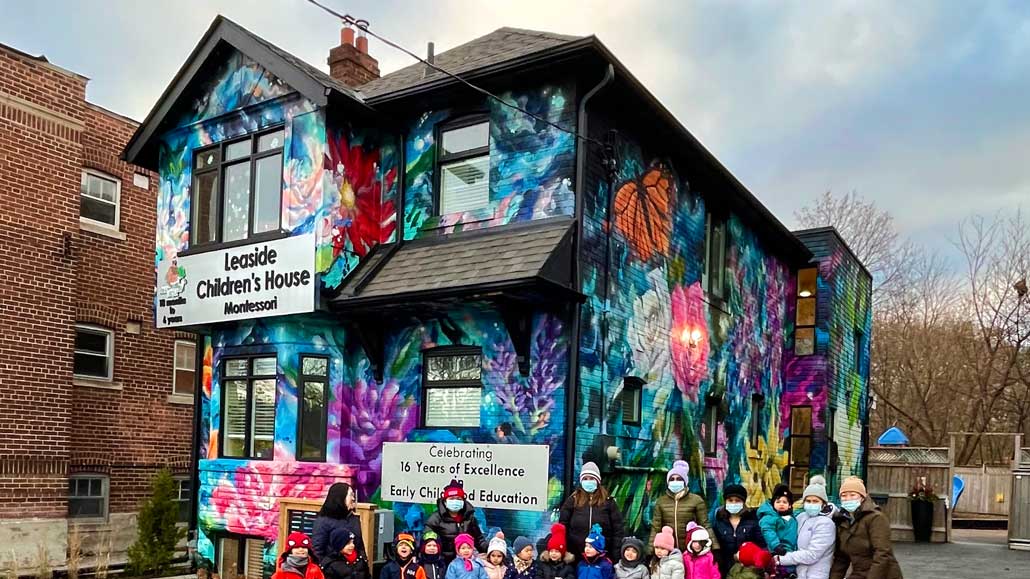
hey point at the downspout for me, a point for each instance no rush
(198, 407)
(572, 392)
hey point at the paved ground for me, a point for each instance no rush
(973, 555)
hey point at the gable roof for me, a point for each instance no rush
(499, 46)
(315, 85)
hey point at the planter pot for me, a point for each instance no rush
(922, 520)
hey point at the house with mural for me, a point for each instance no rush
(400, 280)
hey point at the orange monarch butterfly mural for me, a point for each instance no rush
(643, 211)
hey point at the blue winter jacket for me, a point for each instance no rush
(457, 570)
(777, 530)
(600, 568)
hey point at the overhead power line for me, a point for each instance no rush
(363, 26)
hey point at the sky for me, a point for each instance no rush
(921, 107)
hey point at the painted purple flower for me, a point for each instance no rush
(370, 416)
(530, 400)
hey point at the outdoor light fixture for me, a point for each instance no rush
(692, 336)
(805, 294)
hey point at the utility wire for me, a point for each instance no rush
(363, 26)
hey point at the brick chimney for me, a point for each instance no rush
(350, 62)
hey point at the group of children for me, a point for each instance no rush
(779, 529)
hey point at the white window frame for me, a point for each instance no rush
(110, 352)
(117, 198)
(176, 368)
(179, 498)
(105, 494)
(444, 159)
(429, 386)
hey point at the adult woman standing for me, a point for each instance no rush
(816, 534)
(455, 516)
(734, 525)
(678, 506)
(337, 512)
(863, 537)
(588, 505)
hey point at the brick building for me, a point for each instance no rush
(92, 399)
(396, 278)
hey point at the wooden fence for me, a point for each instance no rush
(987, 492)
(894, 470)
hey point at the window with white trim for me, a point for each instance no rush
(94, 352)
(99, 198)
(453, 385)
(185, 368)
(183, 490)
(464, 166)
(87, 496)
(241, 557)
(248, 407)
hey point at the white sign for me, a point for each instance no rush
(273, 278)
(495, 476)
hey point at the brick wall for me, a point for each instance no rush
(54, 272)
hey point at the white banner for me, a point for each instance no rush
(495, 476)
(252, 281)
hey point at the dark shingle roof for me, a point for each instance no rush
(499, 46)
(499, 256)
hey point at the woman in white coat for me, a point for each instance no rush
(816, 534)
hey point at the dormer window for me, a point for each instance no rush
(463, 164)
(237, 188)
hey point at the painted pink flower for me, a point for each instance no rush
(689, 341)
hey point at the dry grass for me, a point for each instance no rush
(74, 553)
(103, 560)
(43, 570)
(12, 570)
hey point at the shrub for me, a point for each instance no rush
(154, 549)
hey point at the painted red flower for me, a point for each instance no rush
(361, 220)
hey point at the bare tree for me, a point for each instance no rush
(869, 231)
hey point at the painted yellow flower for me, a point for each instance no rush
(764, 466)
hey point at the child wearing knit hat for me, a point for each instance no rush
(595, 565)
(431, 563)
(556, 561)
(344, 561)
(523, 564)
(297, 560)
(668, 560)
(754, 562)
(404, 565)
(466, 565)
(697, 559)
(631, 562)
(776, 518)
(495, 557)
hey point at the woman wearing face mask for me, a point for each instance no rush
(816, 534)
(455, 516)
(735, 524)
(590, 505)
(678, 506)
(337, 512)
(863, 537)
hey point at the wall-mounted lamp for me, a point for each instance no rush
(614, 454)
(692, 336)
(805, 294)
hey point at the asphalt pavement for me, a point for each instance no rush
(972, 555)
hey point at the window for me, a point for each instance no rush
(714, 273)
(464, 166)
(804, 328)
(183, 491)
(858, 343)
(800, 446)
(632, 394)
(757, 402)
(241, 557)
(237, 188)
(453, 387)
(248, 422)
(87, 496)
(94, 350)
(709, 433)
(185, 364)
(314, 379)
(99, 198)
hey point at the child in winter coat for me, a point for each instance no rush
(817, 534)
(523, 564)
(668, 560)
(431, 563)
(344, 560)
(495, 557)
(595, 565)
(297, 560)
(556, 561)
(698, 560)
(776, 519)
(631, 563)
(404, 564)
(753, 562)
(466, 565)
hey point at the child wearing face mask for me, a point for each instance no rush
(455, 516)
(297, 560)
(734, 525)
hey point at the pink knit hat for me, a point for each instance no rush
(464, 539)
(665, 539)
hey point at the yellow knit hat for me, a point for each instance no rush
(853, 484)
